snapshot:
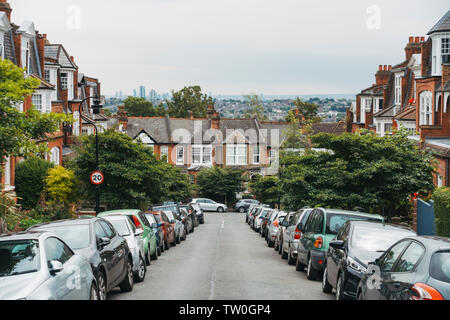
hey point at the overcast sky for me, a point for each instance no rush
(233, 46)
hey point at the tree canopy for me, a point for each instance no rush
(266, 189)
(140, 107)
(188, 99)
(377, 174)
(220, 184)
(255, 107)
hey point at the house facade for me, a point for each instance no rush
(415, 96)
(61, 87)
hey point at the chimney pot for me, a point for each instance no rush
(380, 67)
(411, 39)
(390, 68)
(417, 39)
(385, 67)
(422, 39)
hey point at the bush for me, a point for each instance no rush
(441, 199)
(30, 176)
(51, 212)
(59, 185)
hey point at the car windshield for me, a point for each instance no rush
(336, 220)
(170, 215)
(151, 218)
(157, 218)
(19, 257)
(121, 227)
(440, 266)
(75, 236)
(376, 239)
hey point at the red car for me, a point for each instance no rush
(167, 227)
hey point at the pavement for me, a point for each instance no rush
(223, 260)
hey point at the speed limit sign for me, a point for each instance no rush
(97, 177)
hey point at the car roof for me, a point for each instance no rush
(25, 235)
(355, 213)
(120, 212)
(379, 225)
(62, 223)
(433, 241)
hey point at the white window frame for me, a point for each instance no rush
(47, 75)
(203, 153)
(272, 156)
(426, 108)
(55, 155)
(398, 89)
(7, 173)
(440, 180)
(237, 154)
(76, 123)
(180, 156)
(256, 154)
(2, 45)
(37, 102)
(164, 152)
(64, 84)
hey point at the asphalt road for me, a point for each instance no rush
(223, 260)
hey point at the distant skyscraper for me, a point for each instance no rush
(142, 92)
(134, 93)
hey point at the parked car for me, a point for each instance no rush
(280, 235)
(192, 213)
(292, 234)
(250, 209)
(125, 228)
(273, 215)
(198, 212)
(157, 229)
(140, 221)
(187, 219)
(274, 227)
(176, 212)
(259, 219)
(414, 268)
(168, 229)
(210, 205)
(244, 204)
(321, 227)
(255, 211)
(356, 244)
(108, 253)
(265, 222)
(39, 266)
(180, 230)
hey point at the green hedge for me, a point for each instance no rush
(441, 199)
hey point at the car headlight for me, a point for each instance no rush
(356, 265)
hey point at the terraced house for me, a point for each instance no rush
(61, 88)
(414, 95)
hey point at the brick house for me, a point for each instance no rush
(59, 90)
(415, 96)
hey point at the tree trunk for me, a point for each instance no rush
(3, 227)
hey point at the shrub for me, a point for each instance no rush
(441, 199)
(30, 175)
(59, 185)
(51, 212)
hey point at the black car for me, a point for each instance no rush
(243, 205)
(415, 268)
(356, 244)
(107, 252)
(176, 209)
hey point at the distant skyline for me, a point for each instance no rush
(233, 47)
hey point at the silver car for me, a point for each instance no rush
(259, 218)
(180, 230)
(280, 233)
(40, 266)
(126, 229)
(292, 234)
(210, 205)
(274, 227)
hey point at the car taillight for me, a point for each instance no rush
(275, 224)
(422, 291)
(297, 234)
(137, 223)
(319, 243)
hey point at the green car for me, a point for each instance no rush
(320, 228)
(138, 218)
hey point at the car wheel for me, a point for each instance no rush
(140, 274)
(284, 255)
(359, 296)
(155, 255)
(311, 273)
(299, 266)
(166, 244)
(280, 247)
(93, 295)
(177, 240)
(326, 286)
(242, 210)
(101, 286)
(246, 219)
(270, 243)
(220, 210)
(148, 258)
(128, 283)
(291, 261)
(340, 288)
(202, 221)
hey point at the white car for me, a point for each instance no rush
(210, 205)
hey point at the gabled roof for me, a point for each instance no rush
(385, 113)
(442, 25)
(44, 84)
(4, 22)
(408, 114)
(27, 27)
(57, 53)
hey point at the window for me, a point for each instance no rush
(165, 153)
(108, 229)
(440, 181)
(99, 231)
(180, 155)
(76, 123)
(388, 260)
(206, 155)
(426, 108)
(398, 89)
(201, 155)
(56, 250)
(196, 155)
(387, 127)
(410, 258)
(380, 104)
(256, 154)
(64, 80)
(36, 100)
(7, 171)
(445, 50)
(47, 75)
(2, 49)
(272, 156)
(440, 266)
(55, 156)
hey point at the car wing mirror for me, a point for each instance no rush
(103, 242)
(139, 232)
(55, 266)
(160, 224)
(337, 244)
(154, 225)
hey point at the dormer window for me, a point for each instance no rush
(47, 75)
(445, 50)
(64, 80)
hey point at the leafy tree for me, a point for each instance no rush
(30, 180)
(189, 99)
(220, 184)
(266, 189)
(139, 107)
(177, 184)
(255, 107)
(19, 131)
(442, 210)
(377, 174)
(60, 185)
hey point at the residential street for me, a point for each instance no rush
(223, 260)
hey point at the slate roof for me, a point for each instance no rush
(442, 25)
(446, 86)
(329, 127)
(408, 114)
(385, 113)
(56, 52)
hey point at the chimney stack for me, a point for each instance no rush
(382, 75)
(5, 7)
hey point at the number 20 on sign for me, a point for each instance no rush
(97, 177)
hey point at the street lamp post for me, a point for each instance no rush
(95, 110)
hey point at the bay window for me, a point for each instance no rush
(64, 80)
(180, 155)
(426, 108)
(201, 155)
(36, 101)
(236, 154)
(165, 153)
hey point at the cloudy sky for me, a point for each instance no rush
(233, 46)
